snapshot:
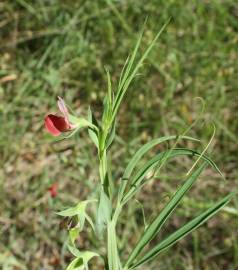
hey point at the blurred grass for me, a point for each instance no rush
(51, 48)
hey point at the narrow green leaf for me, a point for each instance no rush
(75, 210)
(145, 148)
(74, 251)
(92, 133)
(109, 89)
(70, 212)
(106, 111)
(127, 68)
(111, 135)
(129, 75)
(88, 218)
(81, 219)
(135, 181)
(183, 231)
(190, 152)
(76, 264)
(140, 153)
(123, 71)
(154, 228)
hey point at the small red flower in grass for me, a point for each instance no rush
(53, 190)
(57, 124)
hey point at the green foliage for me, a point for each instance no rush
(51, 48)
(155, 227)
(92, 133)
(79, 209)
(187, 228)
(138, 155)
(102, 134)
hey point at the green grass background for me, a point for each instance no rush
(51, 48)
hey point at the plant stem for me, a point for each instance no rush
(112, 249)
(102, 165)
(113, 258)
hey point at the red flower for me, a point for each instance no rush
(53, 190)
(57, 124)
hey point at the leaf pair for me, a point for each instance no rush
(154, 228)
(138, 156)
(137, 180)
(111, 103)
(78, 211)
(184, 230)
(82, 258)
(131, 68)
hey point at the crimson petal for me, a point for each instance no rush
(56, 124)
(53, 190)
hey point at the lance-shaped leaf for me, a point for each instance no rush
(111, 135)
(75, 210)
(80, 212)
(136, 181)
(92, 132)
(183, 231)
(76, 264)
(132, 68)
(154, 228)
(140, 153)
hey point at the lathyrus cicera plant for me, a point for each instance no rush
(110, 205)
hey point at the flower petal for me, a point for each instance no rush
(63, 109)
(53, 190)
(56, 124)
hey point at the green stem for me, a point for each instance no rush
(102, 153)
(102, 165)
(112, 249)
(113, 258)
